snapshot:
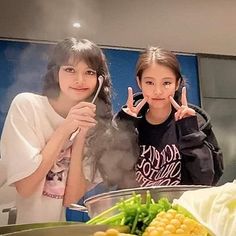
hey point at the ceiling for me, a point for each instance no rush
(185, 25)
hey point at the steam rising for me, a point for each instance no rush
(117, 152)
(118, 160)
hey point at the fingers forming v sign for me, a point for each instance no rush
(182, 111)
(131, 109)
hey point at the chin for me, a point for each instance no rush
(158, 105)
(81, 97)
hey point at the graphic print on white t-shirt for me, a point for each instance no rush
(158, 167)
(55, 182)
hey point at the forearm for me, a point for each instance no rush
(25, 187)
(196, 156)
(76, 185)
(189, 134)
(199, 166)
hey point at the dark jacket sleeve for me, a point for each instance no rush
(199, 159)
(217, 154)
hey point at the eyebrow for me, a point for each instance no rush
(68, 65)
(165, 78)
(87, 68)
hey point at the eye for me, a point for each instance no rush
(167, 83)
(69, 69)
(148, 82)
(90, 72)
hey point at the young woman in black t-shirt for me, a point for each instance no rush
(175, 141)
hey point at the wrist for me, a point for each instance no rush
(80, 138)
(188, 125)
(62, 133)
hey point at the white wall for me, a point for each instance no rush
(206, 26)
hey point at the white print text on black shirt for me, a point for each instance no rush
(158, 167)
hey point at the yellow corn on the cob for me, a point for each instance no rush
(173, 223)
(109, 232)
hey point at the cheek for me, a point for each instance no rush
(63, 83)
(147, 93)
(146, 89)
(93, 83)
(172, 93)
(172, 90)
(60, 76)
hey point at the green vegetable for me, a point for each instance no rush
(133, 213)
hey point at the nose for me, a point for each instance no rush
(157, 90)
(79, 78)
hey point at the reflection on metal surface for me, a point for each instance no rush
(52, 229)
(77, 207)
(11, 214)
(98, 203)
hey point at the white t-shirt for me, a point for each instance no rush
(30, 122)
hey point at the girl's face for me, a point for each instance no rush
(158, 82)
(77, 82)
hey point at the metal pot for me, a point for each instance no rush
(101, 202)
(6, 229)
(51, 229)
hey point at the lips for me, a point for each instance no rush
(158, 99)
(80, 89)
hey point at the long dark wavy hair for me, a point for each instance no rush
(71, 49)
(74, 50)
(163, 57)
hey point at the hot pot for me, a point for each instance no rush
(95, 205)
(98, 203)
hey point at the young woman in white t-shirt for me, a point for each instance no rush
(47, 168)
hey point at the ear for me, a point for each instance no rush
(178, 84)
(139, 82)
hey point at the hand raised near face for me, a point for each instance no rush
(182, 110)
(131, 109)
(80, 116)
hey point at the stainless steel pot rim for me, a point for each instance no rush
(160, 189)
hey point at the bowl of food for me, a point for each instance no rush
(190, 211)
(149, 212)
(99, 203)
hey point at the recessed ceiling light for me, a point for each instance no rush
(76, 25)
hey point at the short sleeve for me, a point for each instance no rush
(20, 145)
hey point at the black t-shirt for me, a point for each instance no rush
(159, 162)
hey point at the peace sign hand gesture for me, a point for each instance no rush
(182, 111)
(131, 109)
